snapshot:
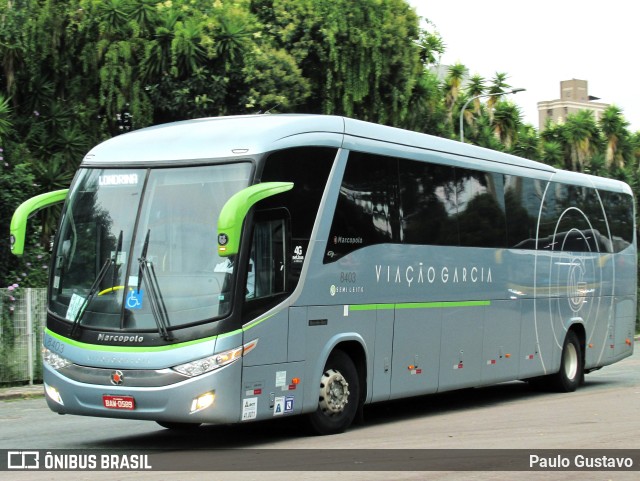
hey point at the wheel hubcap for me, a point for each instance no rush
(571, 362)
(334, 392)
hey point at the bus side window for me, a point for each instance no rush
(268, 267)
(367, 209)
(303, 201)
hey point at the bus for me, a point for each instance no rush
(244, 268)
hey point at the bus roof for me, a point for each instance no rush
(249, 135)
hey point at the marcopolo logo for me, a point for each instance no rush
(119, 338)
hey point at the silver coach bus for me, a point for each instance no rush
(243, 268)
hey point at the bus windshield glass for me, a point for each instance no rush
(137, 248)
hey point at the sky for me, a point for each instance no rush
(539, 43)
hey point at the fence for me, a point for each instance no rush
(21, 328)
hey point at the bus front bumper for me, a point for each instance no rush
(213, 397)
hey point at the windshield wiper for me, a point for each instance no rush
(95, 286)
(147, 272)
(92, 292)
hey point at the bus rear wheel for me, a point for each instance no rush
(338, 395)
(571, 372)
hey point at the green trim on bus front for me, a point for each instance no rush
(100, 347)
(419, 305)
(234, 211)
(25, 210)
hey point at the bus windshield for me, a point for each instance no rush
(137, 248)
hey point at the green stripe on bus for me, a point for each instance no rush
(101, 347)
(418, 305)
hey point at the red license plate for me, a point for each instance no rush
(119, 402)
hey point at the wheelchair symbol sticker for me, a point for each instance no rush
(134, 299)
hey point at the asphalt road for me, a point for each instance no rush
(603, 414)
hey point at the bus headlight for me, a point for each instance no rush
(211, 363)
(54, 360)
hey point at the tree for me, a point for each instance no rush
(426, 112)
(16, 185)
(581, 134)
(498, 85)
(5, 118)
(359, 57)
(506, 122)
(475, 88)
(431, 45)
(452, 87)
(614, 128)
(553, 154)
(527, 143)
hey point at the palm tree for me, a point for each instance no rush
(581, 134)
(186, 47)
(5, 113)
(452, 85)
(113, 15)
(498, 85)
(157, 57)
(432, 47)
(232, 39)
(507, 118)
(614, 128)
(475, 88)
(527, 143)
(426, 112)
(553, 153)
(143, 12)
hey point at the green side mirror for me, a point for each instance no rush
(26, 210)
(235, 210)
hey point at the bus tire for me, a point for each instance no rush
(178, 426)
(571, 373)
(338, 396)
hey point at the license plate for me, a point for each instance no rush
(119, 402)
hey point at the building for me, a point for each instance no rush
(574, 96)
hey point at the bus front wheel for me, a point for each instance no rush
(338, 395)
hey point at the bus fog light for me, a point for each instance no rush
(203, 401)
(53, 394)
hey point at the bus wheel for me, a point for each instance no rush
(339, 393)
(178, 426)
(571, 372)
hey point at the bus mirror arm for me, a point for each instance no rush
(235, 210)
(26, 210)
